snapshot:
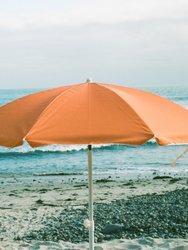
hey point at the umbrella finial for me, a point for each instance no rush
(89, 79)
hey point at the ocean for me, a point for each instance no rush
(25, 164)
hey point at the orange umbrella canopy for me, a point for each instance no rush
(92, 113)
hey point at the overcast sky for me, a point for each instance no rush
(47, 43)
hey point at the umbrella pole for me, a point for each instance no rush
(90, 182)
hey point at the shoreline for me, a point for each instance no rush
(27, 210)
(24, 194)
(69, 178)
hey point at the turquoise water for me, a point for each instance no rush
(116, 161)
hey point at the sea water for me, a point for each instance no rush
(25, 164)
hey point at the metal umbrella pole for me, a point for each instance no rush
(90, 185)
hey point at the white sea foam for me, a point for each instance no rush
(25, 148)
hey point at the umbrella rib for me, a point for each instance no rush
(55, 99)
(106, 87)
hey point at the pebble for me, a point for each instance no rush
(113, 228)
(154, 216)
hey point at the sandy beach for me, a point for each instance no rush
(94, 125)
(144, 214)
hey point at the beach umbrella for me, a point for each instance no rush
(92, 113)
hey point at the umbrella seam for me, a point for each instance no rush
(89, 107)
(41, 114)
(106, 87)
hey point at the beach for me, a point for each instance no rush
(94, 125)
(134, 214)
(140, 202)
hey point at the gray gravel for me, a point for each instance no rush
(156, 216)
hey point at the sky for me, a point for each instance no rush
(48, 43)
